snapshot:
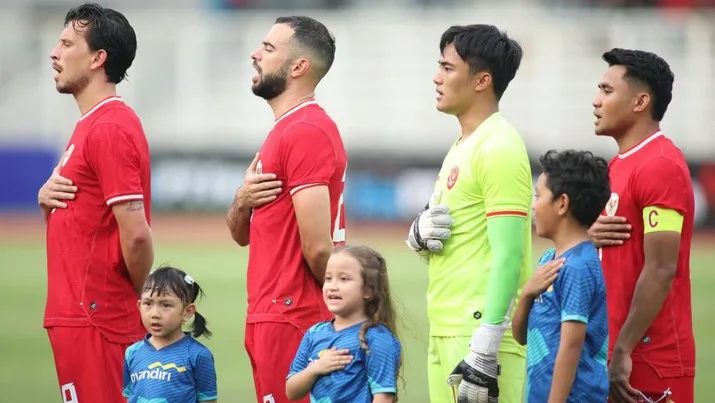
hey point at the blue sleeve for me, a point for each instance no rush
(126, 378)
(205, 376)
(383, 362)
(578, 287)
(300, 362)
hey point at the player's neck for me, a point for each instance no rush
(636, 134)
(288, 100)
(569, 236)
(161, 342)
(93, 94)
(342, 322)
(470, 120)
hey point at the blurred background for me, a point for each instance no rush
(190, 84)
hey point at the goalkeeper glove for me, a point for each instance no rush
(477, 375)
(430, 228)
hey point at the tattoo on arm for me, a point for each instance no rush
(135, 205)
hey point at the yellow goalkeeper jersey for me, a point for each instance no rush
(484, 176)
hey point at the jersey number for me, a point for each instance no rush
(338, 232)
(269, 399)
(69, 393)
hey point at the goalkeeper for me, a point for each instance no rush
(476, 231)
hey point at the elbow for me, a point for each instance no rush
(520, 339)
(317, 254)
(140, 239)
(291, 393)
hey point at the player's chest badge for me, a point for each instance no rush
(612, 205)
(452, 178)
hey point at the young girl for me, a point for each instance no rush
(170, 365)
(562, 311)
(356, 357)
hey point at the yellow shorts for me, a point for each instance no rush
(446, 352)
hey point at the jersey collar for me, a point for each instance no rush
(640, 145)
(296, 108)
(101, 104)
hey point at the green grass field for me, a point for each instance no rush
(27, 370)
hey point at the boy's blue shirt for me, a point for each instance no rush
(578, 294)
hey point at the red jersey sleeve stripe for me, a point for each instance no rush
(124, 198)
(303, 187)
(516, 213)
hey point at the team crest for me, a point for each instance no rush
(67, 154)
(259, 168)
(612, 205)
(452, 178)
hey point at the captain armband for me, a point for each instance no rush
(657, 219)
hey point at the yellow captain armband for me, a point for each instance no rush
(657, 219)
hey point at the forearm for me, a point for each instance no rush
(45, 213)
(383, 398)
(651, 290)
(506, 240)
(520, 323)
(138, 253)
(565, 368)
(299, 385)
(317, 258)
(238, 220)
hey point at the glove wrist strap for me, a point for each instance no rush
(486, 339)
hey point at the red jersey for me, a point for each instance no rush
(107, 158)
(652, 174)
(304, 149)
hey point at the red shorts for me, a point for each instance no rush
(89, 368)
(645, 379)
(271, 346)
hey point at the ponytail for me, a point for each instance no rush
(198, 327)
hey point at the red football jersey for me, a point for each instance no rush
(107, 158)
(653, 173)
(304, 149)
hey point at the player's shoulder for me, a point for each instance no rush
(380, 335)
(308, 120)
(197, 348)
(584, 259)
(320, 327)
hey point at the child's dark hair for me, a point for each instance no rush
(380, 308)
(583, 177)
(172, 280)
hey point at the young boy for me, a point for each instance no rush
(562, 312)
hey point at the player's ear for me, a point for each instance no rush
(300, 67)
(100, 57)
(641, 102)
(563, 204)
(481, 81)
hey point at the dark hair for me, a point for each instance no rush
(583, 177)
(379, 308)
(169, 279)
(647, 69)
(313, 37)
(109, 30)
(485, 48)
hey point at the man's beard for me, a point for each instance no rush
(271, 85)
(73, 86)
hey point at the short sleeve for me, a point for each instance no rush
(300, 361)
(126, 378)
(578, 287)
(650, 190)
(504, 175)
(307, 156)
(382, 362)
(114, 158)
(205, 374)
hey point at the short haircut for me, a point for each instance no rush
(647, 69)
(583, 177)
(484, 47)
(312, 36)
(109, 30)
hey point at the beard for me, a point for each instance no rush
(72, 86)
(271, 85)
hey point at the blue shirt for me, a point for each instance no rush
(182, 372)
(370, 372)
(578, 294)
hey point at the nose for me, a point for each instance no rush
(55, 54)
(596, 101)
(437, 79)
(256, 55)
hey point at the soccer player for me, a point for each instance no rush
(562, 312)
(99, 245)
(652, 347)
(485, 188)
(290, 207)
